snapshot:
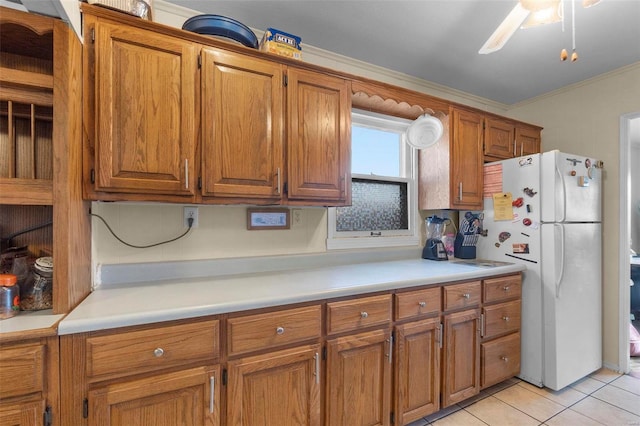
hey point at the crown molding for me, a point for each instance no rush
(317, 56)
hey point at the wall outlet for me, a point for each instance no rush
(296, 217)
(190, 212)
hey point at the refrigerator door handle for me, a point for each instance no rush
(561, 275)
(561, 187)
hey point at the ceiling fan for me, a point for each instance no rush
(527, 14)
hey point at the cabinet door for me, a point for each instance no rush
(499, 138)
(242, 126)
(279, 388)
(145, 108)
(461, 368)
(417, 370)
(186, 398)
(359, 379)
(527, 141)
(22, 414)
(319, 138)
(466, 160)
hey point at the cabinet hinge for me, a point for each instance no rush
(46, 416)
(392, 419)
(93, 35)
(93, 176)
(224, 377)
(199, 61)
(285, 188)
(199, 182)
(285, 80)
(85, 408)
(324, 353)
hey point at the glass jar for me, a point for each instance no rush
(37, 292)
(9, 296)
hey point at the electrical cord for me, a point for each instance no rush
(190, 222)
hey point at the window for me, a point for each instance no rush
(383, 187)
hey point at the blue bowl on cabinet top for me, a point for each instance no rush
(222, 26)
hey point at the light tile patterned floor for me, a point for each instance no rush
(603, 398)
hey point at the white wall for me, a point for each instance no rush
(585, 119)
(634, 230)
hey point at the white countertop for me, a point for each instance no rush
(26, 321)
(148, 302)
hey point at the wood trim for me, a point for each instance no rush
(38, 24)
(28, 95)
(72, 226)
(26, 191)
(15, 77)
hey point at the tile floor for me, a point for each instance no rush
(603, 398)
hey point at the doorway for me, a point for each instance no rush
(629, 136)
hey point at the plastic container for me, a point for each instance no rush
(37, 292)
(9, 296)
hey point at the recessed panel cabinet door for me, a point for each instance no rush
(145, 107)
(467, 160)
(417, 370)
(461, 363)
(527, 141)
(183, 398)
(279, 388)
(319, 138)
(499, 138)
(359, 379)
(242, 126)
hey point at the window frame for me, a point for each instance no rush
(409, 174)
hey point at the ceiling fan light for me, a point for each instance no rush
(536, 5)
(544, 16)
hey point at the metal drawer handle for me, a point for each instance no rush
(364, 314)
(504, 358)
(422, 304)
(280, 330)
(505, 288)
(506, 318)
(158, 352)
(466, 295)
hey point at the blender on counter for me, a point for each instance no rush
(434, 248)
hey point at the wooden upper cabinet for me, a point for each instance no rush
(144, 111)
(499, 138)
(466, 160)
(242, 117)
(319, 138)
(527, 140)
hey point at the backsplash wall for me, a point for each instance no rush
(221, 233)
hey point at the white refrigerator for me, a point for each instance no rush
(544, 211)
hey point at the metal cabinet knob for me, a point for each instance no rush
(466, 295)
(505, 288)
(422, 304)
(364, 314)
(504, 358)
(506, 318)
(158, 352)
(280, 330)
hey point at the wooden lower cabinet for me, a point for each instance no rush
(358, 390)
(278, 388)
(22, 414)
(29, 382)
(417, 370)
(461, 356)
(187, 398)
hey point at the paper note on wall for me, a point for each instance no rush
(502, 208)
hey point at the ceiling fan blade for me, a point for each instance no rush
(505, 30)
(589, 3)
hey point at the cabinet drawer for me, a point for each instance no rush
(358, 313)
(263, 331)
(501, 319)
(460, 296)
(500, 359)
(417, 303)
(22, 370)
(138, 351)
(503, 288)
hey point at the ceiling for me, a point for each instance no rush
(438, 40)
